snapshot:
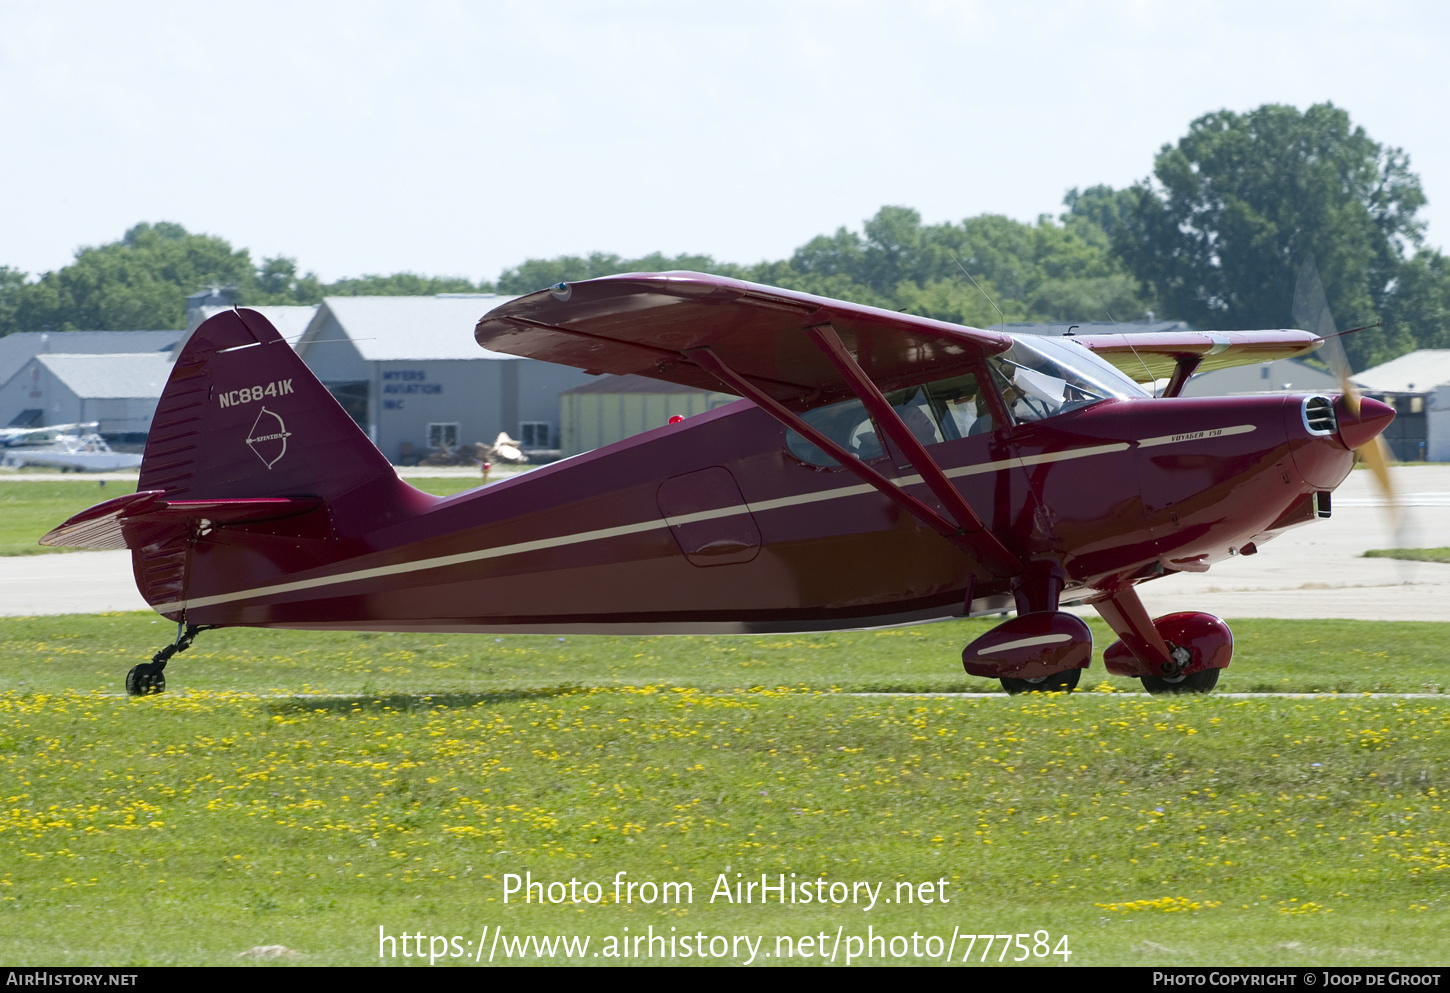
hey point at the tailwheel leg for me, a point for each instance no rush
(149, 678)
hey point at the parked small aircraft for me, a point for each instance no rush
(879, 469)
(64, 446)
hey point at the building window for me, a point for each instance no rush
(443, 435)
(535, 434)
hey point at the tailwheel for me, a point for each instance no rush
(141, 681)
(1195, 682)
(148, 678)
(1058, 682)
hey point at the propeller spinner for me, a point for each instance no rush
(1360, 423)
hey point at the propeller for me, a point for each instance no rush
(1311, 312)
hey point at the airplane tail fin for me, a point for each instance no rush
(244, 437)
(243, 416)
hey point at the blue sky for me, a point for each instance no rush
(458, 138)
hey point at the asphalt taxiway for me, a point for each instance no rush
(1316, 571)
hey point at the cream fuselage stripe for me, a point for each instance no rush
(440, 562)
(842, 492)
(1174, 439)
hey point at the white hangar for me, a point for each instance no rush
(410, 373)
(68, 377)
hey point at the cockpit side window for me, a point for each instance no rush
(934, 412)
(943, 411)
(846, 423)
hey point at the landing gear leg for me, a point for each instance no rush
(148, 678)
(1176, 653)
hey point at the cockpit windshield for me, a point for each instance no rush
(1041, 376)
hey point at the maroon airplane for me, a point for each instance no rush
(881, 469)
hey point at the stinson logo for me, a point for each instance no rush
(268, 437)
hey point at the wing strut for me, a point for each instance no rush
(971, 536)
(1186, 366)
(880, 408)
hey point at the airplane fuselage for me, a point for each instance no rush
(715, 524)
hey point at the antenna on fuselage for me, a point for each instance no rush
(980, 290)
(1149, 372)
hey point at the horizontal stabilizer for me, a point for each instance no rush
(147, 518)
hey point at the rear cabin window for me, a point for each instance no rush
(935, 412)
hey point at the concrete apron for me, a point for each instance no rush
(1316, 571)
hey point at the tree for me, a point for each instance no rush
(143, 280)
(11, 283)
(969, 272)
(138, 282)
(1101, 207)
(401, 284)
(538, 274)
(1419, 306)
(277, 281)
(1042, 271)
(1233, 209)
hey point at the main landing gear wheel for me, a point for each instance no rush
(1058, 682)
(1196, 682)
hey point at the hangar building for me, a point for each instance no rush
(611, 408)
(67, 377)
(1417, 385)
(410, 373)
(119, 392)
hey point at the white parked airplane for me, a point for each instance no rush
(67, 446)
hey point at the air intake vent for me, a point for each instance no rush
(1319, 416)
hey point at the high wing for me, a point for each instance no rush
(782, 349)
(650, 323)
(1146, 357)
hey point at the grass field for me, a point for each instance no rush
(30, 509)
(305, 789)
(1413, 554)
(189, 828)
(85, 653)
